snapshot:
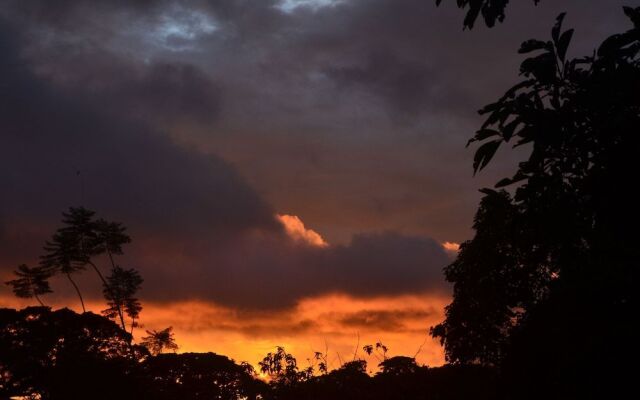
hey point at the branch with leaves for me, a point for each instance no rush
(30, 282)
(492, 11)
(158, 341)
(379, 350)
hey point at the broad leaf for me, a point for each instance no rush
(555, 31)
(563, 44)
(483, 134)
(484, 154)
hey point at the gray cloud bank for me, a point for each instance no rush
(200, 231)
(195, 122)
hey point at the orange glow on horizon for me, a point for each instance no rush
(338, 324)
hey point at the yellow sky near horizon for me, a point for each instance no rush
(334, 324)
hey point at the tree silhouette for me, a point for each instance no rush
(120, 291)
(76, 244)
(70, 248)
(30, 282)
(60, 354)
(200, 376)
(492, 11)
(553, 255)
(63, 355)
(282, 367)
(157, 341)
(399, 365)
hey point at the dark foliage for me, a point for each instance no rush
(399, 378)
(64, 355)
(282, 368)
(200, 376)
(546, 288)
(492, 11)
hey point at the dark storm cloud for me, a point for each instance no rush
(370, 259)
(59, 149)
(407, 52)
(352, 116)
(193, 219)
(406, 86)
(362, 110)
(267, 272)
(393, 49)
(81, 61)
(160, 93)
(416, 56)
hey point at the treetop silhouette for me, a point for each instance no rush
(559, 235)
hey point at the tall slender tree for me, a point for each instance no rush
(81, 240)
(69, 250)
(77, 244)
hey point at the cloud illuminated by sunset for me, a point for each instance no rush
(297, 231)
(451, 248)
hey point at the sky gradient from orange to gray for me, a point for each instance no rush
(292, 172)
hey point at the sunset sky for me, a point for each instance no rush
(292, 172)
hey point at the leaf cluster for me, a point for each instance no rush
(492, 11)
